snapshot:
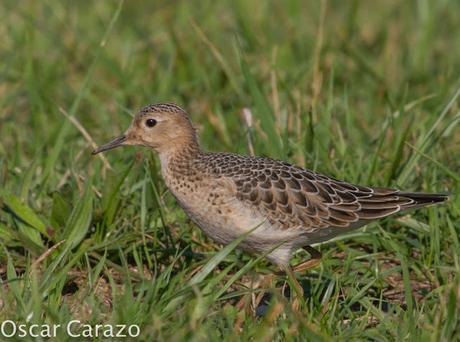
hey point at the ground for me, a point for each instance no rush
(366, 91)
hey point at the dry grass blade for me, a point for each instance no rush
(45, 254)
(87, 136)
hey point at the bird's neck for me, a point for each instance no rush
(180, 161)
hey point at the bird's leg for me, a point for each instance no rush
(296, 288)
(315, 258)
(251, 301)
(268, 281)
(245, 302)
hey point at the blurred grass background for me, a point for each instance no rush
(363, 91)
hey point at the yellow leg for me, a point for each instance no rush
(251, 301)
(267, 282)
(296, 288)
(315, 259)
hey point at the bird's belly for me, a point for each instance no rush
(228, 218)
(222, 223)
(231, 219)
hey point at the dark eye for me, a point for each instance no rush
(150, 122)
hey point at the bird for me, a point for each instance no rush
(278, 207)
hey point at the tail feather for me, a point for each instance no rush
(421, 199)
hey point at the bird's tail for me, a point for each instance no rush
(422, 199)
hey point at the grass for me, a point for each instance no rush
(363, 91)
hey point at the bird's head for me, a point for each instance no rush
(164, 127)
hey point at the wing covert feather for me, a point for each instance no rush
(292, 197)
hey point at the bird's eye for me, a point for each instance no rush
(150, 122)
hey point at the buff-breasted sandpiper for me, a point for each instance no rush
(285, 206)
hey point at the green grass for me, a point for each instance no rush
(363, 91)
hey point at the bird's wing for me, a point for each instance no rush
(292, 197)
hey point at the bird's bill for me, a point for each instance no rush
(112, 144)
